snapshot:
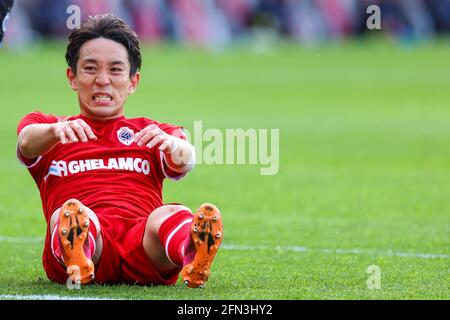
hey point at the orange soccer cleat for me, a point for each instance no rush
(207, 234)
(73, 231)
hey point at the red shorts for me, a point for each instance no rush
(123, 257)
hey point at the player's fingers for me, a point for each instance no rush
(152, 127)
(62, 135)
(147, 137)
(163, 147)
(70, 134)
(157, 139)
(138, 135)
(141, 133)
(90, 134)
(79, 131)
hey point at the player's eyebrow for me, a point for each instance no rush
(92, 60)
(118, 62)
(89, 60)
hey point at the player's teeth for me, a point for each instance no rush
(102, 98)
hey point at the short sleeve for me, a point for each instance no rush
(176, 131)
(32, 118)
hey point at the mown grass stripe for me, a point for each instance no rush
(48, 297)
(301, 249)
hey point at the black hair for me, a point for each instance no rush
(109, 27)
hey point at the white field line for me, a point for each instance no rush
(281, 249)
(46, 297)
(365, 252)
(21, 239)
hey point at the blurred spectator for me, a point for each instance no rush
(5, 9)
(219, 23)
(440, 14)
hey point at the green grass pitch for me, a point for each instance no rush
(364, 173)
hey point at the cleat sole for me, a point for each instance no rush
(73, 230)
(207, 234)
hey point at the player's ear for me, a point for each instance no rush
(134, 80)
(71, 78)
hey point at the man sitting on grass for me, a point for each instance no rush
(100, 175)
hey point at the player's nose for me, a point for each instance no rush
(102, 79)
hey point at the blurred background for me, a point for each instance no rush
(218, 24)
(364, 120)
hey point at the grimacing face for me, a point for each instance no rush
(102, 79)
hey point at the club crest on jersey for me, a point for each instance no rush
(125, 135)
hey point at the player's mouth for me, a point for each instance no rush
(102, 99)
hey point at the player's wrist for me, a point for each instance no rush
(53, 129)
(182, 157)
(174, 146)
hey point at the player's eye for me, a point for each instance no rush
(116, 69)
(89, 68)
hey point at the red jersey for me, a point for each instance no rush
(112, 171)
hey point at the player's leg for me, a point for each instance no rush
(180, 218)
(76, 240)
(174, 238)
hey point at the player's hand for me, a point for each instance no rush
(152, 135)
(73, 131)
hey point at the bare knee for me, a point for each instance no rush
(159, 215)
(152, 243)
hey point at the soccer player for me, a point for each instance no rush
(100, 175)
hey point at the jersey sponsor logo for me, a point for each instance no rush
(125, 135)
(62, 169)
(58, 168)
